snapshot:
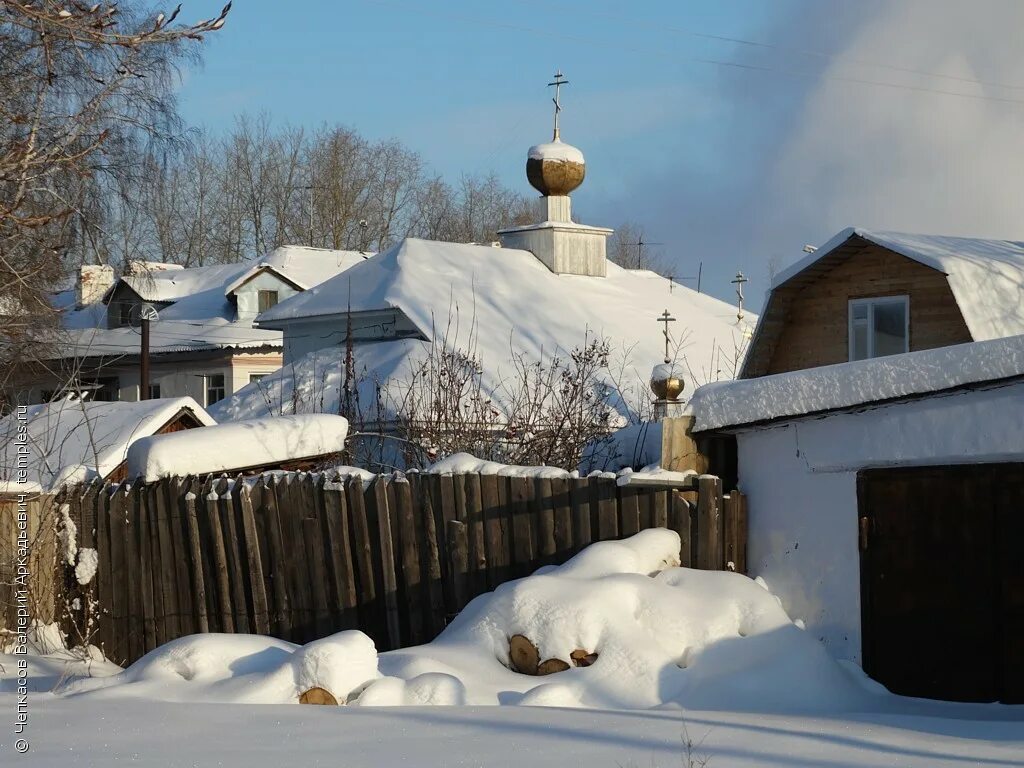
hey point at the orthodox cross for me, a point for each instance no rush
(738, 281)
(558, 82)
(666, 318)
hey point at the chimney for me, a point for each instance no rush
(93, 282)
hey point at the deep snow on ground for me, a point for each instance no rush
(663, 635)
(680, 652)
(74, 732)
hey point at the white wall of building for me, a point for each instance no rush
(313, 334)
(801, 480)
(247, 296)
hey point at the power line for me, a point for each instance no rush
(710, 61)
(786, 49)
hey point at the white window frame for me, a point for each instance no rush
(207, 381)
(871, 302)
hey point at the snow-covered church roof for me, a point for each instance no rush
(504, 302)
(985, 276)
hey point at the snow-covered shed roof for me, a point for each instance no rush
(71, 440)
(812, 391)
(256, 443)
(503, 302)
(986, 276)
(200, 315)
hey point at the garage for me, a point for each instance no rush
(942, 580)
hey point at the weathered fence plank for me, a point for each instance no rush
(389, 579)
(710, 550)
(196, 560)
(258, 588)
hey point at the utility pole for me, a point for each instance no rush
(688, 278)
(640, 243)
(145, 315)
(310, 187)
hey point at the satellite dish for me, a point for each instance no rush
(140, 312)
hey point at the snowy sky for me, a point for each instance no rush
(727, 152)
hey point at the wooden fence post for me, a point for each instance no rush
(710, 550)
(735, 514)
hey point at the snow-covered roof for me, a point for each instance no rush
(257, 269)
(848, 385)
(72, 440)
(236, 446)
(200, 315)
(986, 276)
(500, 300)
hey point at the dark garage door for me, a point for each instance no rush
(942, 580)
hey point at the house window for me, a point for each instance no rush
(124, 313)
(879, 326)
(154, 391)
(255, 377)
(267, 299)
(105, 389)
(214, 388)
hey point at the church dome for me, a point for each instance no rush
(555, 168)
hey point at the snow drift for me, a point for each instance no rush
(657, 635)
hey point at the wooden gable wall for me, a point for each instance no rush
(808, 324)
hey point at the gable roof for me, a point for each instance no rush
(82, 439)
(986, 276)
(505, 304)
(258, 269)
(199, 317)
(747, 402)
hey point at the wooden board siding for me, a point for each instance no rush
(942, 586)
(814, 330)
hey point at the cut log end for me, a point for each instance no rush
(551, 666)
(581, 658)
(524, 656)
(318, 696)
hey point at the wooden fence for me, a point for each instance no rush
(301, 556)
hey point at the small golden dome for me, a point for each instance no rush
(555, 168)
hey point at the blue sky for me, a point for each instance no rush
(733, 166)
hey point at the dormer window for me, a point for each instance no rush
(879, 326)
(267, 299)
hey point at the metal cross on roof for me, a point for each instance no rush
(558, 82)
(666, 318)
(738, 281)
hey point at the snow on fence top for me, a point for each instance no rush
(240, 445)
(72, 440)
(832, 387)
(986, 276)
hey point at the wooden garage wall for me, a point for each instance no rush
(815, 331)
